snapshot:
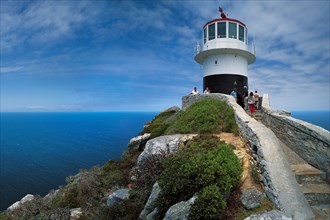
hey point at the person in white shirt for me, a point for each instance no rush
(207, 90)
(256, 99)
(195, 91)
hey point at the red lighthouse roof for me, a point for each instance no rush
(223, 18)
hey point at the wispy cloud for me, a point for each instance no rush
(42, 22)
(4, 70)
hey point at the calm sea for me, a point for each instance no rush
(38, 150)
(320, 118)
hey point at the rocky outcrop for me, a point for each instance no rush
(150, 208)
(137, 143)
(163, 145)
(18, 204)
(117, 196)
(180, 211)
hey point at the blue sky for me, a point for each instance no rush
(139, 55)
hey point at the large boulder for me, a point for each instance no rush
(150, 206)
(163, 145)
(117, 196)
(135, 143)
(180, 211)
(18, 204)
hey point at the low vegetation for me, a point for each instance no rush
(204, 167)
(204, 117)
(207, 116)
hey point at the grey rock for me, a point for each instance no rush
(75, 213)
(180, 211)
(163, 145)
(139, 138)
(117, 196)
(135, 143)
(251, 198)
(152, 215)
(173, 109)
(151, 203)
(18, 204)
(271, 215)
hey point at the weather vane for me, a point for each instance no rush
(222, 14)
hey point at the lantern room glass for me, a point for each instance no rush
(241, 33)
(222, 31)
(232, 30)
(211, 31)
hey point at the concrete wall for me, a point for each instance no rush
(310, 142)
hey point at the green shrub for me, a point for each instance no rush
(206, 116)
(195, 167)
(208, 205)
(159, 124)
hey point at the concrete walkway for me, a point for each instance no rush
(278, 177)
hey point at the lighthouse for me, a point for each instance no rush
(224, 55)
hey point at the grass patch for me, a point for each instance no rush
(159, 124)
(206, 116)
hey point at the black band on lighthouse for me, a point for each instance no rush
(224, 83)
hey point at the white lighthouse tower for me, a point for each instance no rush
(224, 55)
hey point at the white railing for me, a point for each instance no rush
(199, 48)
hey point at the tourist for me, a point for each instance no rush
(246, 96)
(234, 93)
(194, 92)
(251, 102)
(256, 99)
(207, 90)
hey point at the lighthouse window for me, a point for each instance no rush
(232, 30)
(221, 29)
(211, 31)
(205, 36)
(241, 33)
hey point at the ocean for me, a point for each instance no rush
(320, 118)
(39, 150)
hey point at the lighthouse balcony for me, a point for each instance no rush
(224, 44)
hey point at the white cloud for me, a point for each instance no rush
(41, 22)
(4, 70)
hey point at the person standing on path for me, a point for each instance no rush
(256, 99)
(251, 102)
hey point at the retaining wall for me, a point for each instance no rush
(310, 142)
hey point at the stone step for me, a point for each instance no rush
(307, 173)
(316, 193)
(321, 212)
